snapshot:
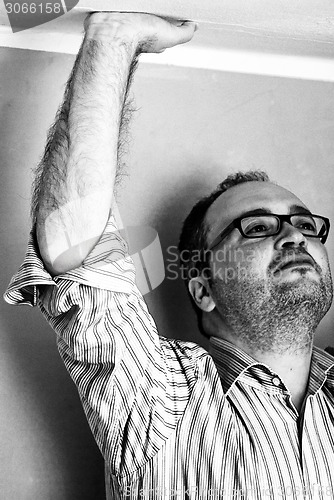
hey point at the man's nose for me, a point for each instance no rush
(290, 236)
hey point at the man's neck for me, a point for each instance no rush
(292, 366)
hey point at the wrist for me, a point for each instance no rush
(113, 31)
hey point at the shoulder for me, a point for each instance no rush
(186, 355)
(183, 347)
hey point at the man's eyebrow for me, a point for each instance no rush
(256, 211)
(294, 209)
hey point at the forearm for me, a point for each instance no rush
(74, 192)
(75, 181)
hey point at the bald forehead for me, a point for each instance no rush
(249, 196)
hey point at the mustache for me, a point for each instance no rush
(289, 255)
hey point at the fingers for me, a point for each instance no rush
(191, 23)
(186, 31)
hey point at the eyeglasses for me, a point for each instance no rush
(264, 225)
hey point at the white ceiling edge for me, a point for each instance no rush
(188, 56)
(309, 19)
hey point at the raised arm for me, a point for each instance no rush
(75, 180)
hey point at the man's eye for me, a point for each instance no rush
(259, 228)
(307, 226)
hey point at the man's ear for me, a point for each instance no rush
(201, 294)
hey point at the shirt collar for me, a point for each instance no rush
(322, 370)
(232, 362)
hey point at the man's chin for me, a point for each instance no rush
(306, 291)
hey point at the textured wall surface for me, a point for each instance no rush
(192, 128)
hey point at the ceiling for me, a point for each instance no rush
(288, 26)
(285, 38)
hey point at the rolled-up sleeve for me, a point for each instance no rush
(110, 346)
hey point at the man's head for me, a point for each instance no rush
(254, 290)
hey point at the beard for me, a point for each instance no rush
(269, 315)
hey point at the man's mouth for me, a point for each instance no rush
(295, 260)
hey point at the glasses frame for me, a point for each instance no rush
(236, 224)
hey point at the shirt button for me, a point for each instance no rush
(276, 381)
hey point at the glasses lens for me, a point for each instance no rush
(258, 226)
(309, 225)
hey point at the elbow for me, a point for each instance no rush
(57, 252)
(67, 235)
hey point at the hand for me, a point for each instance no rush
(149, 33)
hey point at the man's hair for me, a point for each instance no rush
(193, 239)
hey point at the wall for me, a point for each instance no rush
(192, 128)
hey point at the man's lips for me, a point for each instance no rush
(293, 260)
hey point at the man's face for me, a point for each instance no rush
(266, 283)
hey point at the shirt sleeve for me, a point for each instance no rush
(133, 388)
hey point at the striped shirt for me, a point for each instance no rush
(172, 420)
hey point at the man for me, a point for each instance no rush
(255, 417)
